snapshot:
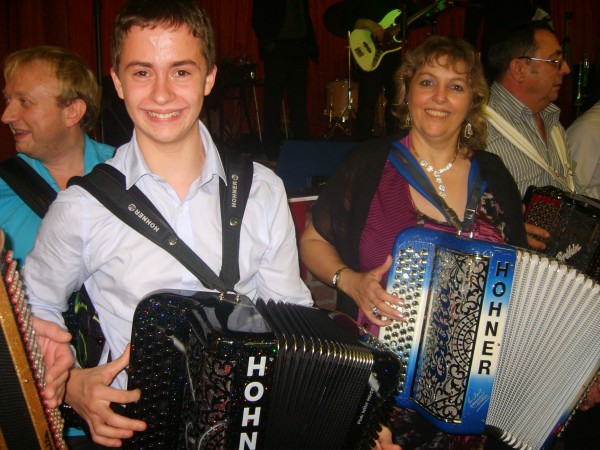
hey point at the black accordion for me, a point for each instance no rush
(574, 225)
(25, 420)
(223, 373)
(495, 340)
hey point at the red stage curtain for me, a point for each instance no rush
(71, 23)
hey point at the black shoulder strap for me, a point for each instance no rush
(107, 184)
(234, 196)
(27, 184)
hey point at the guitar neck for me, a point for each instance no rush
(435, 5)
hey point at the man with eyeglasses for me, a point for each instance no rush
(526, 67)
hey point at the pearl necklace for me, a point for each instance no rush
(436, 173)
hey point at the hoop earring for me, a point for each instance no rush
(408, 121)
(468, 132)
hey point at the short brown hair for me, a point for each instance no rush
(457, 51)
(152, 13)
(75, 79)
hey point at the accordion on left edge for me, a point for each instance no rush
(25, 420)
(227, 374)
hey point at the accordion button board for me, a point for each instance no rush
(496, 339)
(573, 222)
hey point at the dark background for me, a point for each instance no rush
(72, 24)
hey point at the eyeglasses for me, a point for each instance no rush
(556, 62)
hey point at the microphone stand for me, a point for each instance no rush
(97, 23)
(348, 108)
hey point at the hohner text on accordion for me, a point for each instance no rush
(254, 391)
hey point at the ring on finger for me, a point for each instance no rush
(375, 311)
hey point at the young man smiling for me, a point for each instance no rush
(163, 66)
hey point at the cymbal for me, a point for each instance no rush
(332, 19)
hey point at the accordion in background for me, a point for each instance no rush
(226, 374)
(25, 420)
(495, 340)
(574, 225)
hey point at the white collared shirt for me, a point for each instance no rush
(81, 241)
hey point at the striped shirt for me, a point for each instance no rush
(524, 170)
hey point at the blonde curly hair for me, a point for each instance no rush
(458, 53)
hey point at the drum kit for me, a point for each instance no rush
(342, 94)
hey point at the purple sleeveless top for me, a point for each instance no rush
(392, 210)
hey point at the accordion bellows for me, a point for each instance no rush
(496, 339)
(226, 374)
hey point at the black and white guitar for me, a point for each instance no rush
(368, 52)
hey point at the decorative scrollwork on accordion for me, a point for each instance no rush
(457, 304)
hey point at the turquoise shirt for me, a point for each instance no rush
(19, 222)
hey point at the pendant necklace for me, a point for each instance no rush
(437, 174)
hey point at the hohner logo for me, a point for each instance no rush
(494, 319)
(143, 217)
(254, 391)
(234, 190)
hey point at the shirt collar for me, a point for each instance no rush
(550, 113)
(136, 167)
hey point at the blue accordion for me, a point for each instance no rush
(496, 339)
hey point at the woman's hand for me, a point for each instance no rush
(323, 260)
(365, 288)
(89, 393)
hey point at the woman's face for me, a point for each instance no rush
(439, 99)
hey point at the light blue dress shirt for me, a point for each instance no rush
(81, 241)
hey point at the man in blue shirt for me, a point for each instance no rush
(52, 100)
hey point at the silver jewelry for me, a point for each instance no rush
(336, 277)
(437, 174)
(468, 130)
(408, 121)
(375, 311)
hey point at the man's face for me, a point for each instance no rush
(38, 124)
(163, 79)
(544, 79)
